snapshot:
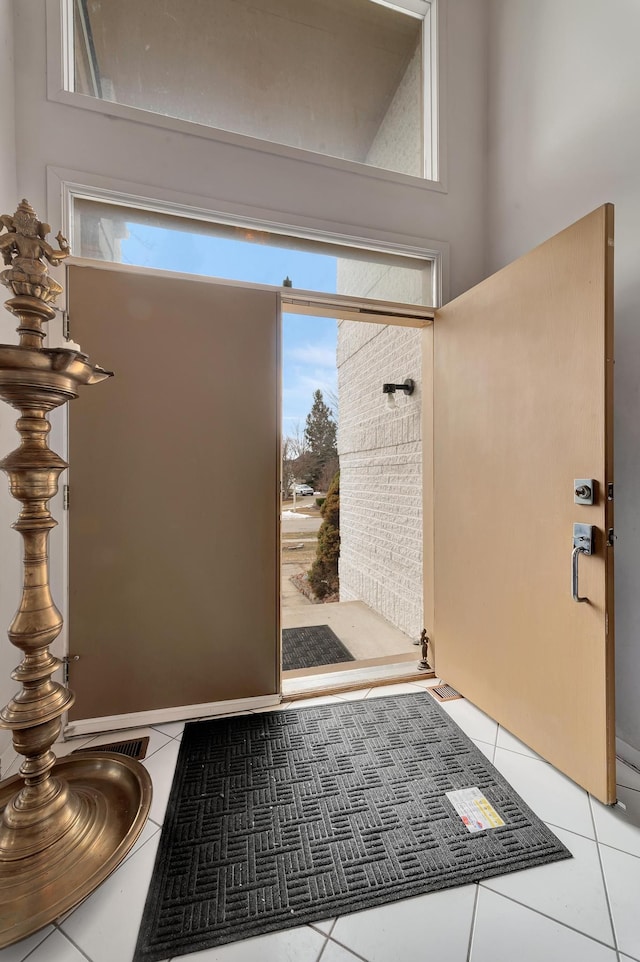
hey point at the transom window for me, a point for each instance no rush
(244, 252)
(351, 79)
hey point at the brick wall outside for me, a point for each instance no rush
(380, 473)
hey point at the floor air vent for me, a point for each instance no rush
(445, 692)
(134, 748)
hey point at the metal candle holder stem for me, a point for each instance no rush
(64, 826)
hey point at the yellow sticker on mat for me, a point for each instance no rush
(477, 813)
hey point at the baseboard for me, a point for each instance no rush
(160, 716)
(630, 756)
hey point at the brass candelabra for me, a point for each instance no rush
(64, 825)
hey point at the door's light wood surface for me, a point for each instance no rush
(523, 404)
(173, 525)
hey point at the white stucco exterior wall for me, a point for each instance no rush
(564, 138)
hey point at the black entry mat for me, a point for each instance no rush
(312, 647)
(286, 817)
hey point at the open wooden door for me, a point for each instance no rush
(523, 370)
(174, 508)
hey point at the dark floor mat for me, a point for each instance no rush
(133, 747)
(312, 647)
(281, 818)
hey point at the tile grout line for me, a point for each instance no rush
(69, 939)
(324, 945)
(625, 957)
(175, 738)
(628, 788)
(614, 848)
(356, 955)
(59, 923)
(495, 744)
(36, 947)
(160, 747)
(571, 831)
(604, 877)
(629, 764)
(514, 751)
(474, 917)
(550, 918)
(521, 754)
(314, 928)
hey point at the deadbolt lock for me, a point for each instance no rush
(583, 490)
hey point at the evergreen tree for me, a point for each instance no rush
(323, 576)
(320, 437)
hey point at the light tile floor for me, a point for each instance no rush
(586, 908)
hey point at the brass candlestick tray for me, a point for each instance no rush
(64, 825)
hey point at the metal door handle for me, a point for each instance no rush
(582, 544)
(575, 554)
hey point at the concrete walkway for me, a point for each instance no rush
(292, 599)
(364, 632)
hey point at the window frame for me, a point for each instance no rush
(60, 82)
(65, 186)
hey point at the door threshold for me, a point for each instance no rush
(333, 682)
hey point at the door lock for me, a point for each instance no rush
(583, 490)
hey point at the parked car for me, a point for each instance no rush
(302, 489)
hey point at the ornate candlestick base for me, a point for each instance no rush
(64, 826)
(112, 795)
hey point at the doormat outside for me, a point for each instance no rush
(312, 647)
(283, 818)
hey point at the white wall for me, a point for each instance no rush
(217, 175)
(9, 540)
(8, 199)
(564, 137)
(305, 192)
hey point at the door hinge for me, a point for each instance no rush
(66, 325)
(611, 537)
(66, 497)
(610, 492)
(66, 660)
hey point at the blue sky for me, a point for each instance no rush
(308, 343)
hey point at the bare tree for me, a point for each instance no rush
(294, 457)
(331, 398)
